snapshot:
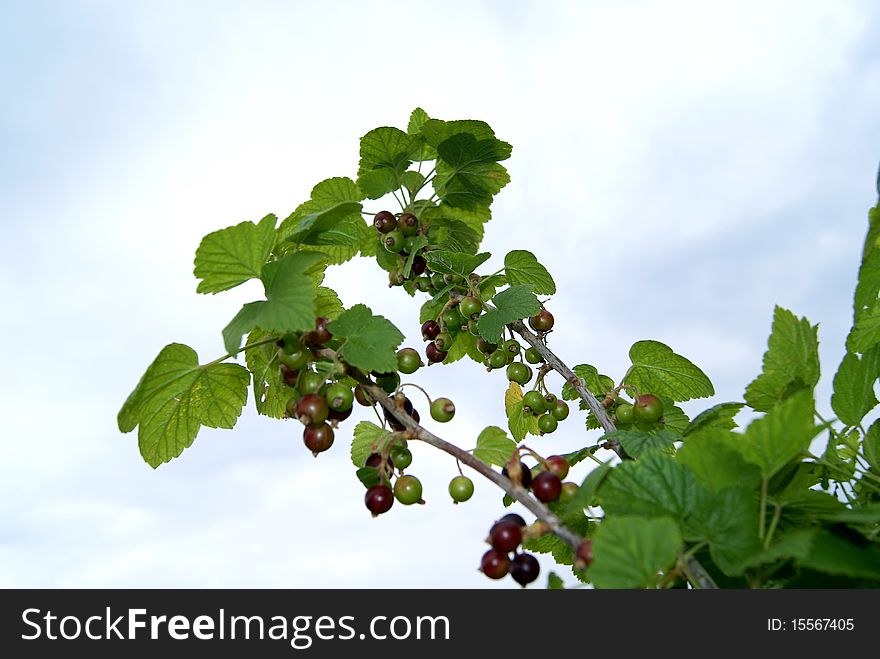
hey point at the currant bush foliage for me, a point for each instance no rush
(791, 500)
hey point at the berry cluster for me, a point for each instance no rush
(505, 536)
(546, 484)
(407, 489)
(644, 413)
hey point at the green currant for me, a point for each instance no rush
(294, 360)
(437, 281)
(485, 347)
(470, 307)
(408, 224)
(519, 373)
(648, 408)
(388, 381)
(547, 423)
(408, 361)
(393, 241)
(401, 457)
(290, 343)
(498, 359)
(452, 320)
(423, 284)
(339, 397)
(560, 412)
(409, 244)
(534, 400)
(310, 382)
(443, 341)
(550, 401)
(533, 356)
(442, 410)
(461, 488)
(624, 412)
(569, 489)
(473, 327)
(408, 490)
(512, 346)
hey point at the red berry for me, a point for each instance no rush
(495, 564)
(524, 569)
(430, 330)
(542, 321)
(547, 487)
(379, 499)
(505, 535)
(318, 438)
(384, 222)
(434, 354)
(312, 410)
(558, 465)
(584, 554)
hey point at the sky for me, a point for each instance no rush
(680, 167)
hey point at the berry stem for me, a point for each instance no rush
(412, 384)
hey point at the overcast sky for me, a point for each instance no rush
(680, 167)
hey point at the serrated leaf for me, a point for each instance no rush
(176, 397)
(386, 153)
(289, 304)
(854, 382)
(554, 582)
(368, 476)
(232, 256)
(674, 418)
(511, 304)
(658, 370)
(629, 552)
(468, 174)
(636, 442)
(780, 436)
(597, 384)
(454, 236)
(332, 202)
(494, 447)
(365, 438)
(718, 417)
(271, 394)
(871, 446)
(436, 131)
(327, 303)
(431, 309)
(839, 458)
(790, 364)
(522, 267)
(865, 333)
(729, 521)
(453, 263)
(368, 342)
(834, 555)
(575, 457)
(464, 344)
(587, 493)
(417, 120)
(712, 455)
(552, 544)
(655, 484)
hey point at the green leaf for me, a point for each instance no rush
(780, 436)
(436, 131)
(794, 544)
(494, 447)
(575, 457)
(418, 243)
(468, 174)
(655, 484)
(474, 219)
(176, 396)
(453, 263)
(327, 303)
(550, 543)
(386, 153)
(871, 446)
(629, 552)
(658, 370)
(368, 342)
(511, 304)
(791, 362)
(232, 256)
(597, 384)
(674, 418)
(718, 417)
(431, 309)
(712, 455)
(636, 442)
(840, 454)
(417, 120)
(587, 493)
(865, 333)
(729, 521)
(865, 303)
(368, 476)
(365, 440)
(454, 236)
(289, 304)
(271, 394)
(517, 420)
(522, 267)
(853, 395)
(554, 582)
(332, 201)
(834, 555)
(464, 344)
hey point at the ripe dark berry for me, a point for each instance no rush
(430, 330)
(624, 413)
(408, 490)
(648, 408)
(408, 223)
(495, 564)
(384, 222)
(393, 241)
(312, 409)
(379, 499)
(318, 438)
(505, 536)
(461, 488)
(547, 423)
(442, 410)
(524, 569)
(542, 321)
(401, 457)
(419, 265)
(311, 382)
(560, 412)
(470, 307)
(534, 400)
(443, 341)
(408, 361)
(434, 354)
(289, 375)
(558, 465)
(533, 356)
(321, 334)
(338, 416)
(547, 486)
(513, 517)
(362, 397)
(519, 372)
(339, 397)
(525, 475)
(374, 460)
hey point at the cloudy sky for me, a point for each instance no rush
(680, 166)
